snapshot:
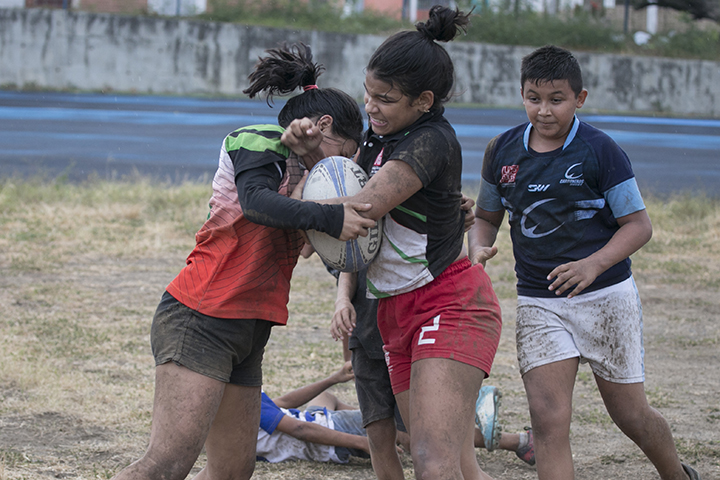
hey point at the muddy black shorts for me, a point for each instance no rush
(228, 350)
(374, 391)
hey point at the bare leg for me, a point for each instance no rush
(549, 391)
(468, 459)
(508, 441)
(628, 407)
(440, 407)
(382, 436)
(232, 441)
(184, 407)
(330, 401)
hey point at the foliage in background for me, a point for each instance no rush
(692, 43)
(310, 15)
(511, 23)
(579, 31)
(698, 9)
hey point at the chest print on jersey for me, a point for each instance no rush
(530, 231)
(573, 176)
(509, 172)
(584, 210)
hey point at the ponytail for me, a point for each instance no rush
(283, 70)
(288, 68)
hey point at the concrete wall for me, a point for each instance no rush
(58, 49)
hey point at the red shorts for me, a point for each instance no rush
(456, 316)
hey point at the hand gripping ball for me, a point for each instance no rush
(335, 177)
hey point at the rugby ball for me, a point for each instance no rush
(335, 177)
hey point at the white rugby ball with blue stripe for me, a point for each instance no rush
(334, 177)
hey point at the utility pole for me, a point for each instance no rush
(412, 14)
(627, 14)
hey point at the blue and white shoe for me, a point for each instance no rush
(486, 416)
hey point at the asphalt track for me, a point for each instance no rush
(176, 139)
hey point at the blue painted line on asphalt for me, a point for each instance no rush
(472, 177)
(279, 103)
(664, 140)
(141, 100)
(112, 156)
(680, 122)
(170, 102)
(96, 137)
(35, 153)
(136, 117)
(479, 131)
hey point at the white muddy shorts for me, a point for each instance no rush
(603, 328)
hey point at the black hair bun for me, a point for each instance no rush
(444, 23)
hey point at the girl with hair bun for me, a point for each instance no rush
(214, 319)
(438, 315)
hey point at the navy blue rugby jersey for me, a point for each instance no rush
(562, 205)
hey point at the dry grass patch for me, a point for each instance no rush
(83, 267)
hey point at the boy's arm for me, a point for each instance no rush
(467, 204)
(344, 318)
(482, 235)
(302, 395)
(634, 232)
(314, 433)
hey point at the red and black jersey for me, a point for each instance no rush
(246, 251)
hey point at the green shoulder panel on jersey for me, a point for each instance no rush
(257, 138)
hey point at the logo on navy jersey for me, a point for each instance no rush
(537, 187)
(573, 175)
(546, 219)
(530, 231)
(509, 172)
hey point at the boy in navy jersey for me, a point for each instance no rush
(576, 215)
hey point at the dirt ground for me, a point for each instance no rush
(76, 374)
(681, 353)
(681, 332)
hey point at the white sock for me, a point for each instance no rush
(524, 438)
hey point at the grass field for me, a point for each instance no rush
(83, 267)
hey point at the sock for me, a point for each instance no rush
(524, 438)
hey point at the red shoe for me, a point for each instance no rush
(527, 453)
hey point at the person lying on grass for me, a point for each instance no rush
(329, 430)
